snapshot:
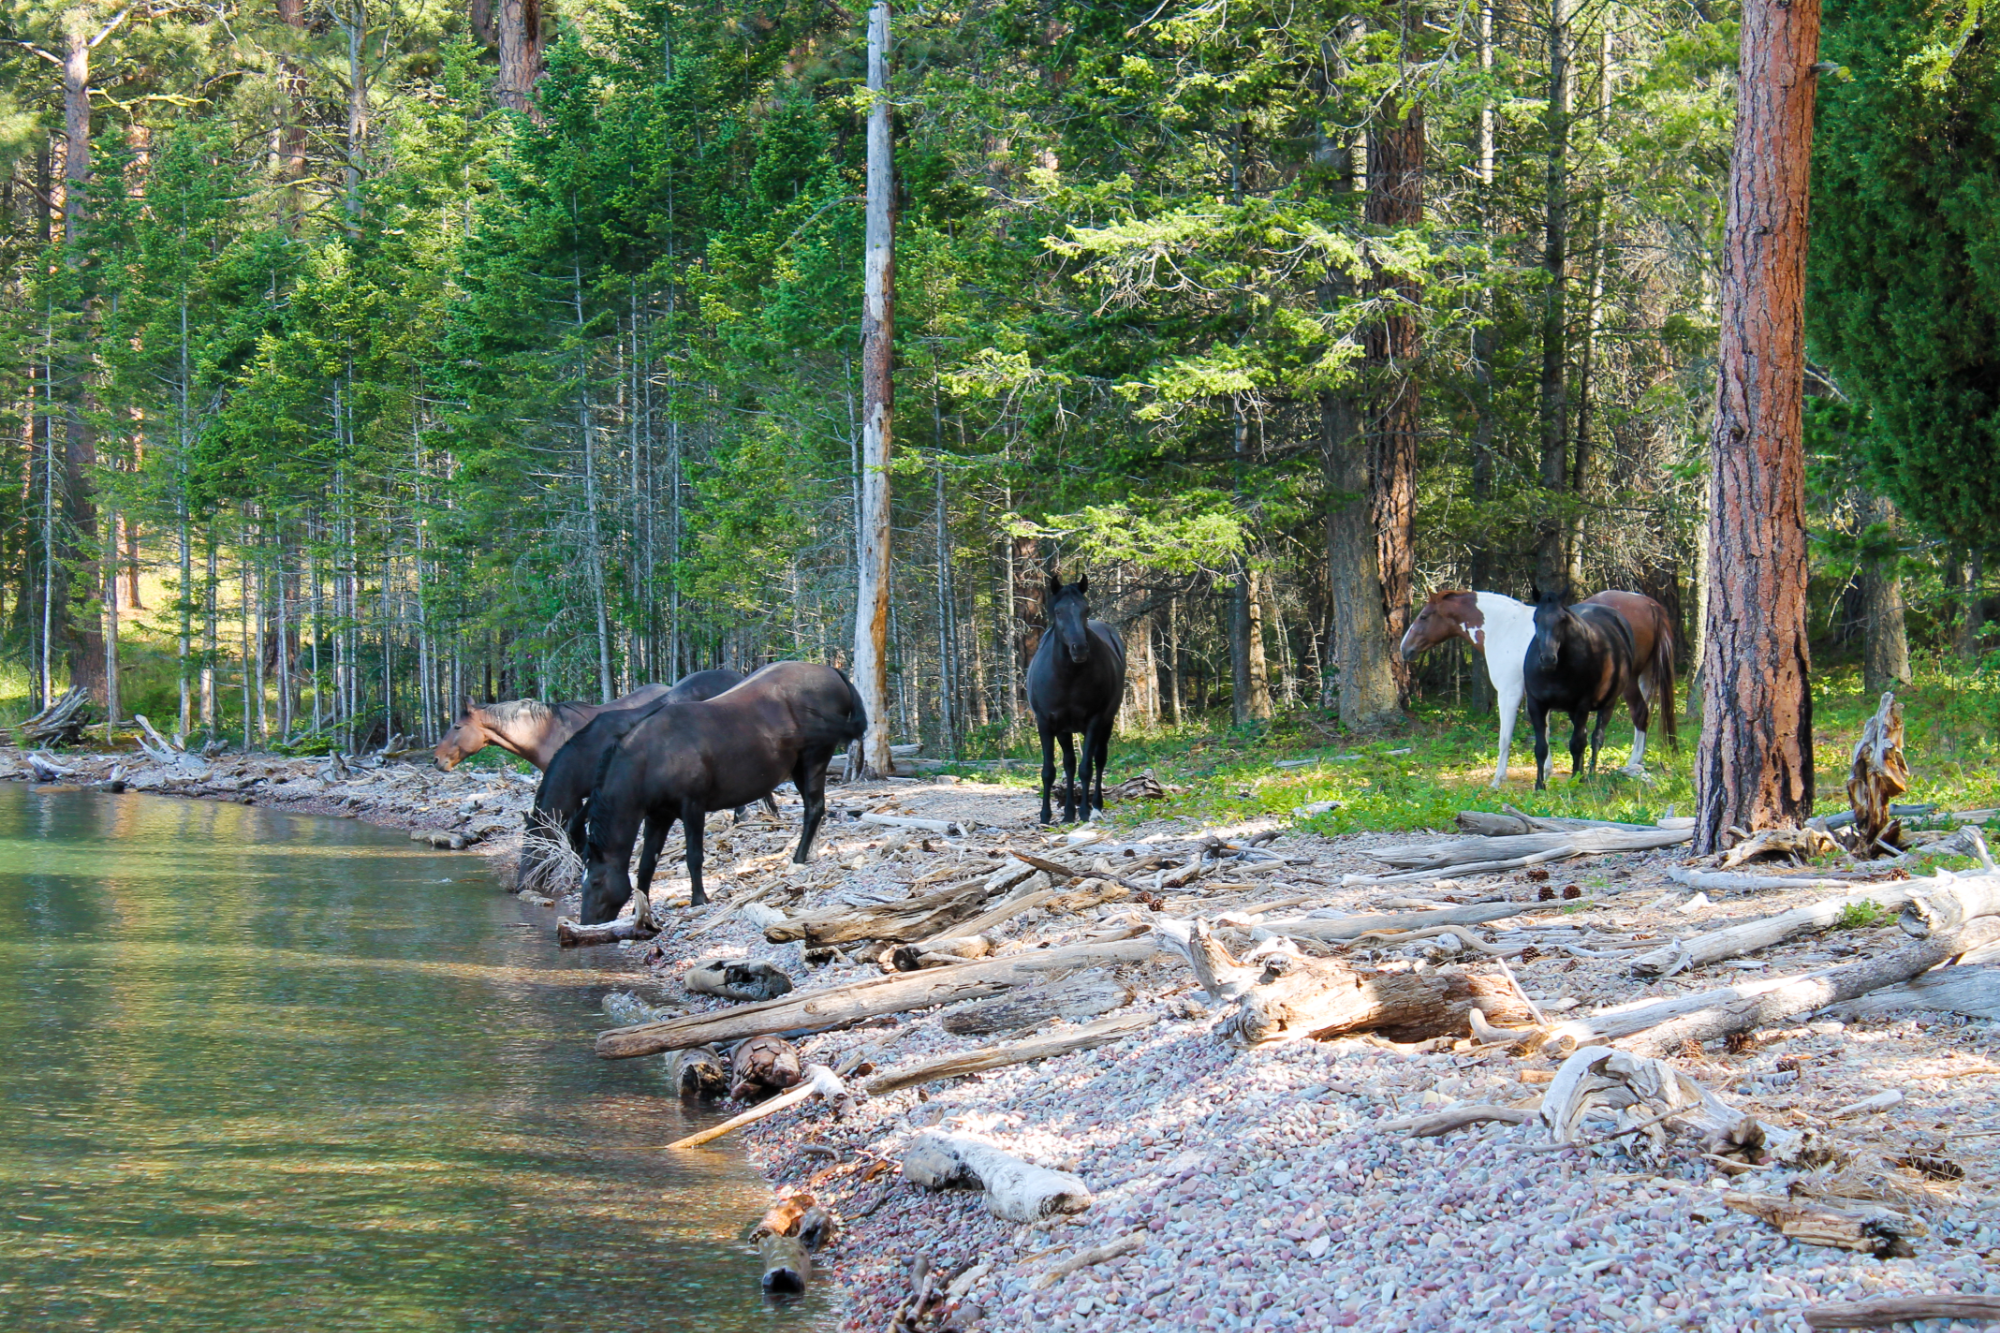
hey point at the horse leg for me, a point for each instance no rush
(770, 805)
(1048, 768)
(1097, 748)
(649, 860)
(810, 778)
(1508, 707)
(691, 821)
(1538, 718)
(1068, 740)
(1578, 725)
(1597, 734)
(1638, 701)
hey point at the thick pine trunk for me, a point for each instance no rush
(1396, 199)
(1361, 642)
(1551, 561)
(520, 55)
(878, 323)
(1755, 767)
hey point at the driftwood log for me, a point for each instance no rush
(1882, 1232)
(1750, 936)
(1331, 928)
(1876, 776)
(698, 1072)
(938, 951)
(1013, 1053)
(1457, 1117)
(570, 935)
(1015, 1190)
(1972, 991)
(905, 919)
(1482, 855)
(1882, 1311)
(1598, 1078)
(1740, 881)
(836, 1006)
(1324, 997)
(1791, 997)
(740, 979)
(787, 1266)
(764, 1065)
(1096, 1254)
(1083, 996)
(1947, 902)
(948, 827)
(820, 1082)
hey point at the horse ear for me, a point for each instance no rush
(1055, 585)
(1082, 585)
(1534, 592)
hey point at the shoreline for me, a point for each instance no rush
(1258, 1189)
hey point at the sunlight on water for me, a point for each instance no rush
(269, 1072)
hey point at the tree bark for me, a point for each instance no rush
(77, 550)
(520, 55)
(1755, 766)
(479, 14)
(1367, 681)
(1885, 657)
(878, 324)
(1396, 199)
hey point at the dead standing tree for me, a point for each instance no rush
(1755, 768)
(878, 327)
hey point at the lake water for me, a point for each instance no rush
(262, 1071)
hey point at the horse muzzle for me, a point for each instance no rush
(444, 765)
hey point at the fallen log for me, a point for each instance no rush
(1801, 844)
(893, 922)
(959, 948)
(1457, 1117)
(740, 979)
(1014, 1053)
(1598, 1078)
(1737, 881)
(1750, 936)
(1948, 901)
(1606, 1025)
(1084, 996)
(820, 1082)
(571, 935)
(787, 1266)
(1882, 1232)
(1882, 1311)
(1015, 1190)
(1097, 1254)
(1330, 928)
(836, 1006)
(1972, 991)
(1220, 975)
(1791, 997)
(1457, 852)
(764, 1065)
(1298, 997)
(951, 828)
(1026, 900)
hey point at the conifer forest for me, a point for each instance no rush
(359, 357)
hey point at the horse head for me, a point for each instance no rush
(1553, 620)
(1069, 617)
(464, 738)
(1445, 615)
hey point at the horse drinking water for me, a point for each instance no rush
(1075, 683)
(1501, 629)
(683, 760)
(1580, 662)
(528, 727)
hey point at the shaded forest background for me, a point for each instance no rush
(366, 356)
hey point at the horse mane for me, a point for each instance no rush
(529, 710)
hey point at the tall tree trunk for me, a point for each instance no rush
(1241, 704)
(878, 326)
(1755, 766)
(1258, 666)
(1886, 647)
(355, 24)
(78, 549)
(1396, 199)
(520, 55)
(1482, 346)
(1361, 640)
(479, 16)
(1551, 564)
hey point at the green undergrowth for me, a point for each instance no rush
(1442, 762)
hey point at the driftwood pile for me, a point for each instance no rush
(61, 723)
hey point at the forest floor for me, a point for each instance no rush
(1280, 1187)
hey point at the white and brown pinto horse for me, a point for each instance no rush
(528, 727)
(1502, 628)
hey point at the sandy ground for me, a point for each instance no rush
(1256, 1188)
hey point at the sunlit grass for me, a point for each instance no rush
(1422, 776)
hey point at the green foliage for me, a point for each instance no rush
(1864, 915)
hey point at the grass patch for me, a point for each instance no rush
(1864, 915)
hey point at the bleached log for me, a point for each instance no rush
(1455, 852)
(1019, 903)
(1598, 1077)
(949, 827)
(740, 979)
(1750, 936)
(1323, 997)
(1076, 997)
(1456, 1117)
(819, 1082)
(1015, 1190)
(962, 948)
(1972, 991)
(1220, 975)
(977, 1061)
(905, 919)
(835, 1006)
(1737, 881)
(1328, 929)
(1947, 902)
(1607, 1025)
(571, 935)
(1486, 825)
(1792, 997)
(1882, 1311)
(1882, 1232)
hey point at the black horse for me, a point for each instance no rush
(565, 787)
(684, 760)
(1075, 683)
(1580, 662)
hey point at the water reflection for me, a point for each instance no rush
(265, 1072)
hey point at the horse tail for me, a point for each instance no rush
(857, 713)
(1662, 670)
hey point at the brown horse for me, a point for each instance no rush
(536, 731)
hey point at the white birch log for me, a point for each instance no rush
(1750, 936)
(1015, 1190)
(949, 827)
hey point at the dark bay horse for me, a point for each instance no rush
(683, 760)
(568, 778)
(1075, 684)
(528, 727)
(1579, 663)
